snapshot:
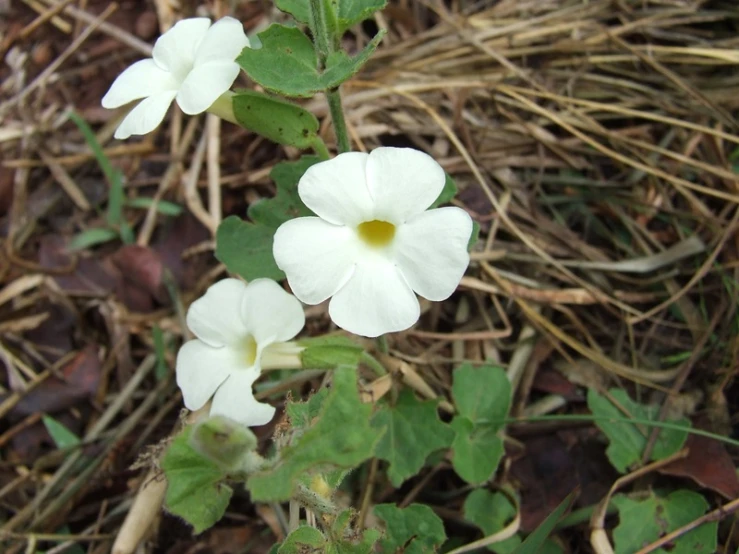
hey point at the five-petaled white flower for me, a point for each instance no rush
(374, 243)
(240, 329)
(193, 63)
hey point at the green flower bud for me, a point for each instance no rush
(224, 441)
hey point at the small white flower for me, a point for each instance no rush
(193, 63)
(373, 243)
(240, 329)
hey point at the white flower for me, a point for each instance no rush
(193, 63)
(240, 329)
(373, 243)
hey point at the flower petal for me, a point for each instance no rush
(269, 313)
(223, 42)
(336, 190)
(146, 116)
(376, 300)
(317, 257)
(200, 370)
(215, 318)
(403, 182)
(175, 50)
(204, 84)
(142, 79)
(431, 251)
(235, 399)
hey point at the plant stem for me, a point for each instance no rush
(373, 364)
(320, 31)
(381, 343)
(337, 118)
(319, 147)
(327, 40)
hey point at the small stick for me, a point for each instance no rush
(213, 129)
(46, 14)
(148, 502)
(117, 33)
(716, 515)
(67, 183)
(53, 66)
(192, 199)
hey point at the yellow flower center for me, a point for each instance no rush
(376, 232)
(249, 350)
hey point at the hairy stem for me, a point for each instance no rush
(337, 118)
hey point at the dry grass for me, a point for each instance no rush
(596, 143)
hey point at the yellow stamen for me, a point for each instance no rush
(376, 232)
(250, 350)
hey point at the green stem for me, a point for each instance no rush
(582, 515)
(327, 40)
(337, 118)
(319, 147)
(320, 31)
(631, 420)
(373, 364)
(381, 343)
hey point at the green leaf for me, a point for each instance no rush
(330, 352)
(412, 530)
(477, 450)
(345, 540)
(196, 491)
(414, 431)
(474, 235)
(91, 237)
(303, 540)
(340, 437)
(342, 540)
(164, 207)
(447, 193)
(627, 440)
(340, 67)
(63, 437)
(114, 176)
(275, 119)
(286, 205)
(246, 249)
(299, 9)
(287, 63)
(491, 512)
(352, 12)
(303, 414)
(482, 394)
(643, 521)
(538, 538)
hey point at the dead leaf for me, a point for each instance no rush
(554, 465)
(88, 277)
(183, 233)
(141, 288)
(81, 380)
(709, 465)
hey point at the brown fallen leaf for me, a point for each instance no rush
(709, 465)
(81, 380)
(141, 288)
(554, 465)
(87, 277)
(171, 242)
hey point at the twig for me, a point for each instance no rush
(716, 515)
